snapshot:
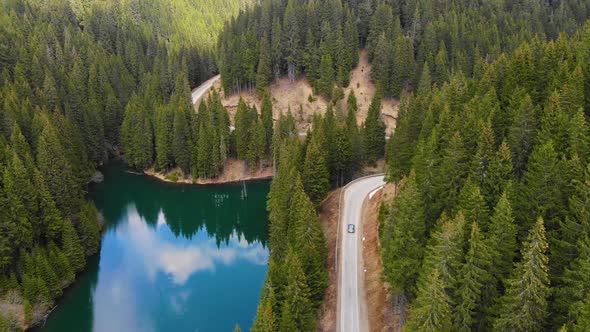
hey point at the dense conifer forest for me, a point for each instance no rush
(490, 226)
(72, 73)
(321, 38)
(488, 231)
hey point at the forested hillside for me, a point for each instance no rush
(490, 230)
(70, 73)
(182, 23)
(321, 38)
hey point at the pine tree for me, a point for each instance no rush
(48, 275)
(404, 67)
(431, 310)
(22, 202)
(445, 254)
(163, 134)
(382, 62)
(575, 285)
(403, 237)
(583, 319)
(89, 229)
(326, 80)
(257, 147)
(343, 155)
(267, 120)
(4, 327)
(264, 73)
(353, 133)
(51, 219)
(72, 247)
(473, 206)
(498, 174)
(524, 306)
(451, 174)
(374, 132)
(502, 240)
(316, 178)
(521, 134)
(578, 136)
(265, 317)
(475, 278)
(540, 192)
(56, 171)
(181, 139)
(297, 314)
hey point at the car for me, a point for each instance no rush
(350, 228)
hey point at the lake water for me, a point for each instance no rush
(173, 258)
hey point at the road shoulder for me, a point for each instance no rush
(329, 222)
(379, 301)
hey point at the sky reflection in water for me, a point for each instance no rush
(173, 258)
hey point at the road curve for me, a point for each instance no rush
(199, 91)
(352, 311)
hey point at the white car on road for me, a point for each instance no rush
(350, 228)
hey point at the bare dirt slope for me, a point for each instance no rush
(295, 96)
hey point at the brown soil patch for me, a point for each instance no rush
(234, 171)
(295, 96)
(329, 221)
(380, 304)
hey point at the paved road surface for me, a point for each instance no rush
(352, 311)
(200, 90)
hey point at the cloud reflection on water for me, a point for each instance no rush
(142, 253)
(181, 260)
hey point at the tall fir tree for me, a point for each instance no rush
(403, 237)
(524, 305)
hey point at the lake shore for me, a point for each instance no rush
(234, 171)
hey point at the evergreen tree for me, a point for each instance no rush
(296, 314)
(445, 254)
(89, 229)
(451, 174)
(374, 132)
(403, 71)
(498, 174)
(475, 278)
(502, 238)
(403, 237)
(267, 120)
(56, 171)
(72, 247)
(163, 128)
(569, 299)
(264, 73)
(326, 80)
(431, 310)
(265, 317)
(4, 327)
(539, 195)
(181, 140)
(524, 306)
(316, 178)
(472, 205)
(583, 319)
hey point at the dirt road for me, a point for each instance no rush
(201, 89)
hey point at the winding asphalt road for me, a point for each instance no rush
(352, 311)
(201, 89)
